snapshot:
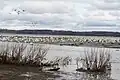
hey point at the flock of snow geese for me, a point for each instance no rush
(18, 11)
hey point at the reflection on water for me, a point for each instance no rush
(10, 72)
(29, 75)
(84, 76)
(96, 76)
(32, 73)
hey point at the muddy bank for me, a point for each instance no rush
(65, 73)
(12, 72)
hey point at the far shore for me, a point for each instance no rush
(91, 41)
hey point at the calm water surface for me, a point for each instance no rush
(79, 51)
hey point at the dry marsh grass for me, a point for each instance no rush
(19, 54)
(31, 55)
(95, 60)
(59, 61)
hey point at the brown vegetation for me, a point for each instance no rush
(20, 54)
(95, 60)
(30, 55)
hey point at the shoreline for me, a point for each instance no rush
(92, 41)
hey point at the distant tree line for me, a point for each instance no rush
(61, 32)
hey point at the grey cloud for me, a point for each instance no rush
(115, 13)
(46, 7)
(108, 6)
(100, 23)
(58, 14)
(2, 4)
(46, 19)
(112, 1)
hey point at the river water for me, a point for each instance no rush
(74, 52)
(66, 73)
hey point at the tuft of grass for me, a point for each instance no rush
(22, 54)
(30, 55)
(95, 60)
(59, 61)
(36, 55)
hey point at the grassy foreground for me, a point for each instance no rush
(30, 55)
(95, 60)
(20, 54)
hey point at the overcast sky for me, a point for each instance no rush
(75, 15)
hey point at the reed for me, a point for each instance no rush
(96, 60)
(59, 61)
(21, 54)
